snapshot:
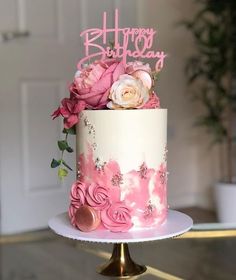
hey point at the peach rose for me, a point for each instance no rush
(127, 93)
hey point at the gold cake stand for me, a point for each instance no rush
(121, 264)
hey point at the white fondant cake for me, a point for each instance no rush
(130, 137)
(123, 152)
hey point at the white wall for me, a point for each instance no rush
(191, 164)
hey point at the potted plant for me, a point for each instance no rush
(211, 72)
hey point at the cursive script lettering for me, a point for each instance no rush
(128, 43)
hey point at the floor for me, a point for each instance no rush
(45, 256)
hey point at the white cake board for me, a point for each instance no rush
(176, 224)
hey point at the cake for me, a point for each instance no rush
(121, 146)
(121, 157)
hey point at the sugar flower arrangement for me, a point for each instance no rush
(104, 84)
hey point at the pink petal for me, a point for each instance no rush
(65, 113)
(56, 113)
(104, 98)
(93, 101)
(69, 122)
(84, 97)
(120, 69)
(80, 106)
(110, 69)
(103, 84)
(68, 104)
(144, 76)
(108, 62)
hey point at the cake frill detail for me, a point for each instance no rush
(122, 205)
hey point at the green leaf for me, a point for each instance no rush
(66, 165)
(71, 130)
(55, 163)
(69, 150)
(62, 172)
(62, 145)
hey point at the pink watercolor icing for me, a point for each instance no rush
(115, 194)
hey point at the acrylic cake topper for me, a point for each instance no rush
(141, 39)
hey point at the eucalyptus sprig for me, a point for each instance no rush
(63, 145)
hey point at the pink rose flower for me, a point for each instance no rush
(153, 102)
(117, 217)
(98, 196)
(56, 113)
(92, 85)
(131, 67)
(77, 194)
(70, 110)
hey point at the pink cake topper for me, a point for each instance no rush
(141, 39)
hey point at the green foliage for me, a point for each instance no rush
(63, 146)
(62, 172)
(55, 163)
(213, 68)
(71, 130)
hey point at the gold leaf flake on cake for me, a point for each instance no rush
(78, 171)
(91, 131)
(117, 179)
(149, 210)
(143, 171)
(99, 164)
(163, 176)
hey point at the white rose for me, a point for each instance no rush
(128, 92)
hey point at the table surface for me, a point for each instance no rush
(59, 258)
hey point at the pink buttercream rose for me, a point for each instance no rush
(153, 102)
(77, 194)
(92, 85)
(131, 67)
(98, 196)
(71, 212)
(117, 217)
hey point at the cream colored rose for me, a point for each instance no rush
(127, 93)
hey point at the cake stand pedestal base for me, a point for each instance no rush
(121, 264)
